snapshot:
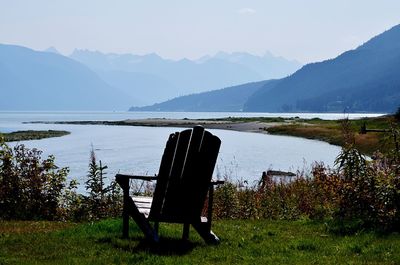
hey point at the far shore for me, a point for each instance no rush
(221, 124)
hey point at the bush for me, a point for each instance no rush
(30, 187)
(359, 194)
(103, 200)
(372, 197)
(226, 201)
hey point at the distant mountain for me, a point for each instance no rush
(151, 78)
(226, 99)
(33, 80)
(366, 79)
(52, 49)
(268, 66)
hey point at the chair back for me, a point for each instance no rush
(185, 175)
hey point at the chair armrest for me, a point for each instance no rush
(147, 178)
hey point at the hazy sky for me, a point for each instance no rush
(306, 30)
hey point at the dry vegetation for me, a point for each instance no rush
(331, 131)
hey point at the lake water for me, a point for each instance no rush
(138, 150)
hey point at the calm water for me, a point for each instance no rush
(138, 150)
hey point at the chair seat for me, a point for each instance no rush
(143, 203)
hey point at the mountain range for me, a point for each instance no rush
(86, 80)
(366, 79)
(150, 78)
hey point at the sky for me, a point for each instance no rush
(306, 30)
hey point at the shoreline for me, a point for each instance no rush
(329, 131)
(221, 124)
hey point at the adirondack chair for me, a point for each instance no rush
(183, 182)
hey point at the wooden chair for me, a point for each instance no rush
(183, 182)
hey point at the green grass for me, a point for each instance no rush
(31, 135)
(253, 119)
(242, 242)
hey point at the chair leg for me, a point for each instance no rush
(129, 208)
(156, 227)
(124, 184)
(141, 221)
(125, 222)
(206, 233)
(185, 234)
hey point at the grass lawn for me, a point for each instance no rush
(242, 242)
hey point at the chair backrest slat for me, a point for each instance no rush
(163, 176)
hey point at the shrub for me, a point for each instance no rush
(33, 188)
(226, 201)
(358, 194)
(371, 197)
(370, 191)
(30, 187)
(102, 200)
